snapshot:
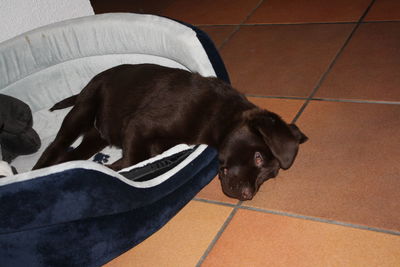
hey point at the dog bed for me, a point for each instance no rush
(81, 213)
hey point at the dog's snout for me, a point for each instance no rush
(247, 193)
(237, 188)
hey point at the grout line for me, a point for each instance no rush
(277, 97)
(360, 101)
(380, 21)
(252, 11)
(322, 99)
(300, 23)
(209, 201)
(322, 220)
(308, 100)
(218, 25)
(293, 215)
(228, 38)
(333, 62)
(217, 236)
(366, 11)
(303, 107)
(239, 25)
(347, 100)
(301, 110)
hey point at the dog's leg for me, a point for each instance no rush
(79, 120)
(132, 154)
(116, 166)
(90, 145)
(130, 158)
(160, 145)
(135, 147)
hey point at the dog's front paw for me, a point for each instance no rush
(116, 166)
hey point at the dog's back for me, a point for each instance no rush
(183, 103)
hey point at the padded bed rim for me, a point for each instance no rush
(32, 40)
(89, 165)
(83, 216)
(101, 186)
(210, 56)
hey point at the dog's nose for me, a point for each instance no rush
(246, 193)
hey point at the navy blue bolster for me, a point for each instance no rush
(77, 194)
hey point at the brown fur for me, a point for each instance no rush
(146, 109)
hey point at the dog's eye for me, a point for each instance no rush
(258, 159)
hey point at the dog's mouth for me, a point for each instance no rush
(241, 191)
(240, 188)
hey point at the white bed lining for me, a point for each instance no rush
(88, 165)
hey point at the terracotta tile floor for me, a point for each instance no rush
(333, 67)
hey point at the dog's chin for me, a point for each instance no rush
(240, 196)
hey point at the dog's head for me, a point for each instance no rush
(255, 151)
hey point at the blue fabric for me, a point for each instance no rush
(86, 218)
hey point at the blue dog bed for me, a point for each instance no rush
(81, 213)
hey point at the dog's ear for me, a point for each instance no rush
(302, 138)
(281, 138)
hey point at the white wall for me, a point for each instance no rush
(18, 16)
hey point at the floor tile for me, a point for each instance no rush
(306, 11)
(218, 33)
(181, 242)
(259, 239)
(210, 12)
(282, 60)
(347, 171)
(384, 10)
(195, 12)
(286, 108)
(369, 66)
(139, 6)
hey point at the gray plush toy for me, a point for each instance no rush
(17, 136)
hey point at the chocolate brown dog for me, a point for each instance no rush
(146, 109)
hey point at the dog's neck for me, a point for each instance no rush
(217, 136)
(223, 116)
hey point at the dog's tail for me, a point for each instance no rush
(89, 91)
(65, 103)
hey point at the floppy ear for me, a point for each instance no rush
(281, 138)
(302, 138)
